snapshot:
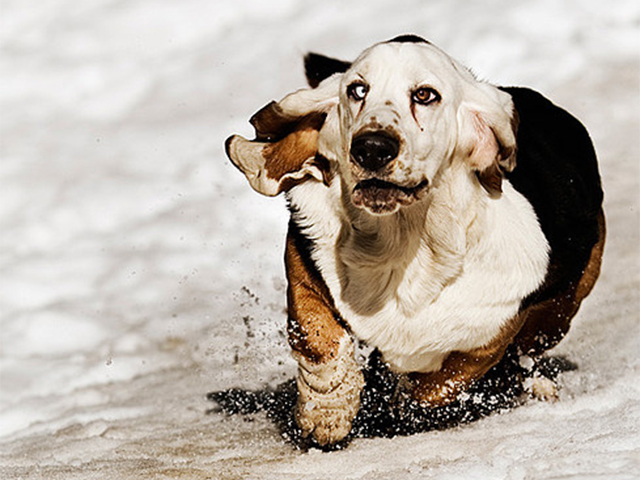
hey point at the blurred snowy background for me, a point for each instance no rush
(139, 271)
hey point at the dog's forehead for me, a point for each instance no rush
(406, 58)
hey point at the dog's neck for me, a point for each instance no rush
(419, 248)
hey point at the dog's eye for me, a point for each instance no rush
(357, 91)
(425, 96)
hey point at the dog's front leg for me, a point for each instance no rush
(329, 378)
(328, 395)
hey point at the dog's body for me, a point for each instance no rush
(437, 218)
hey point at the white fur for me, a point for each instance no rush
(443, 285)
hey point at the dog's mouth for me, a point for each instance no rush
(381, 197)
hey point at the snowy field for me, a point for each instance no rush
(139, 271)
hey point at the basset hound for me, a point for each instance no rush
(434, 217)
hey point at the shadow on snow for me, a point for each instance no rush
(499, 390)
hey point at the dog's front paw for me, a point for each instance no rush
(328, 415)
(328, 397)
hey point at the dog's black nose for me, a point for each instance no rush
(374, 150)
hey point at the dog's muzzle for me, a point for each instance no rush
(374, 150)
(380, 197)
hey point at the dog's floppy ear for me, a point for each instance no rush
(487, 126)
(285, 149)
(319, 67)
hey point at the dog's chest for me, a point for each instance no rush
(417, 298)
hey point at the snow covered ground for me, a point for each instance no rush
(139, 271)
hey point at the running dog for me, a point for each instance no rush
(435, 217)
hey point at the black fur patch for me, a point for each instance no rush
(557, 171)
(408, 38)
(319, 67)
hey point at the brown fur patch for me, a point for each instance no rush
(290, 153)
(300, 144)
(461, 369)
(592, 272)
(272, 124)
(547, 322)
(491, 179)
(315, 328)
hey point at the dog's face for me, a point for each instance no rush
(388, 123)
(397, 109)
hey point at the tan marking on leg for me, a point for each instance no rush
(315, 329)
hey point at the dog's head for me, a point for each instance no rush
(388, 124)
